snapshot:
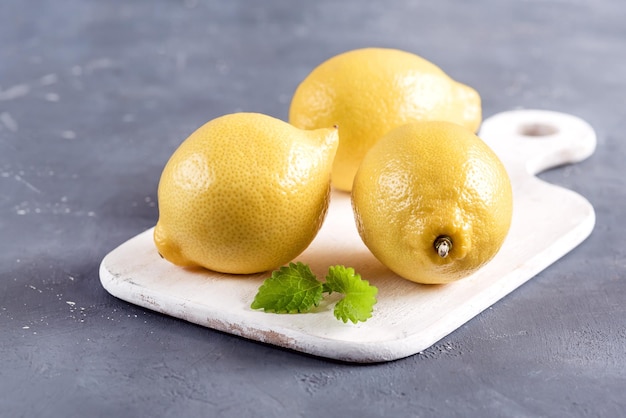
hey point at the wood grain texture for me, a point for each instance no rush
(548, 222)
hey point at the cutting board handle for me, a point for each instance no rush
(536, 140)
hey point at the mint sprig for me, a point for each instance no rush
(295, 289)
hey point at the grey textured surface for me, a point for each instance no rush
(95, 96)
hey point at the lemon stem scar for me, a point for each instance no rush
(443, 245)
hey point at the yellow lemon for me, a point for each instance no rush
(245, 193)
(432, 202)
(367, 92)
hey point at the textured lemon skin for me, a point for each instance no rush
(429, 179)
(245, 193)
(367, 92)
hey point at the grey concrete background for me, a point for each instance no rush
(95, 96)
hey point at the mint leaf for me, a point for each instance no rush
(360, 297)
(290, 289)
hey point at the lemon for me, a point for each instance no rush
(245, 193)
(432, 202)
(367, 92)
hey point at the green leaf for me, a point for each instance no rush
(290, 289)
(360, 297)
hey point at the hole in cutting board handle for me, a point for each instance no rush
(537, 130)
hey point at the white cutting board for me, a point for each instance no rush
(548, 222)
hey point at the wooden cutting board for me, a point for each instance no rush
(548, 222)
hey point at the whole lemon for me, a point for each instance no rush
(245, 193)
(367, 92)
(432, 202)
